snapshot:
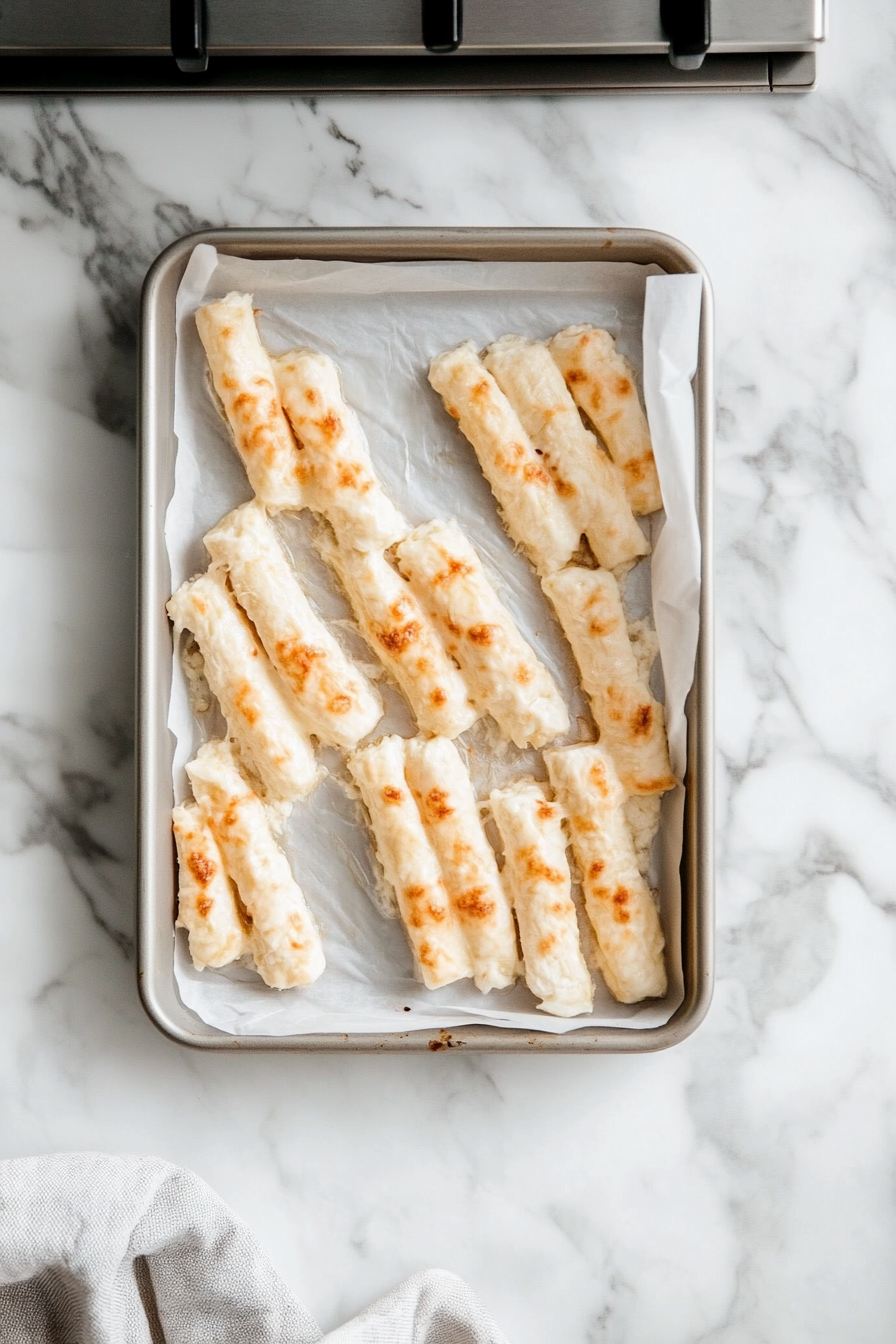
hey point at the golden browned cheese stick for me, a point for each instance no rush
(603, 384)
(206, 902)
(631, 722)
(503, 673)
(331, 696)
(444, 794)
(537, 876)
(592, 485)
(244, 381)
(410, 864)
(286, 944)
(531, 502)
(258, 713)
(337, 471)
(617, 899)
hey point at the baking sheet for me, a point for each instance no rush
(382, 323)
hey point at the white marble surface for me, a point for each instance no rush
(737, 1189)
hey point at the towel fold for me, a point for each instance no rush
(132, 1250)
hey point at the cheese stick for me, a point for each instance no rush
(285, 942)
(537, 876)
(447, 804)
(632, 723)
(603, 384)
(206, 904)
(404, 639)
(257, 711)
(332, 698)
(502, 672)
(409, 864)
(335, 461)
(244, 381)
(617, 899)
(592, 486)
(533, 507)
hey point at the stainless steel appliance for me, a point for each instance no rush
(315, 46)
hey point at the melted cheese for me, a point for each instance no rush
(591, 485)
(537, 875)
(286, 945)
(258, 713)
(533, 509)
(502, 672)
(603, 384)
(332, 698)
(446, 801)
(617, 899)
(337, 472)
(244, 381)
(410, 864)
(206, 904)
(632, 723)
(404, 638)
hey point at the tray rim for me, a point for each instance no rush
(155, 425)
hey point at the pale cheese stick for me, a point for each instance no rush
(603, 384)
(533, 508)
(404, 638)
(337, 472)
(617, 899)
(632, 723)
(206, 903)
(502, 672)
(592, 485)
(410, 864)
(537, 876)
(286, 945)
(332, 698)
(244, 381)
(447, 804)
(258, 713)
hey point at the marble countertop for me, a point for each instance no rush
(738, 1188)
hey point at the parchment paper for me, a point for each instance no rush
(382, 324)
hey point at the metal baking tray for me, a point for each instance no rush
(156, 876)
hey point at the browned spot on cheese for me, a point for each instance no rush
(544, 811)
(438, 697)
(228, 383)
(298, 659)
(453, 628)
(226, 333)
(564, 488)
(428, 956)
(437, 803)
(535, 474)
(623, 387)
(475, 904)
(480, 390)
(242, 702)
(597, 776)
(330, 426)
(202, 867)
(452, 570)
(536, 867)
(546, 944)
(204, 906)
(642, 720)
(637, 469)
(339, 704)
(595, 869)
(577, 376)
(621, 913)
(523, 674)
(312, 396)
(391, 794)
(482, 634)
(602, 626)
(400, 637)
(453, 412)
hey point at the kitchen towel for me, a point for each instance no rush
(132, 1250)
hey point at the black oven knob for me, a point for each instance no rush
(687, 26)
(443, 22)
(188, 36)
